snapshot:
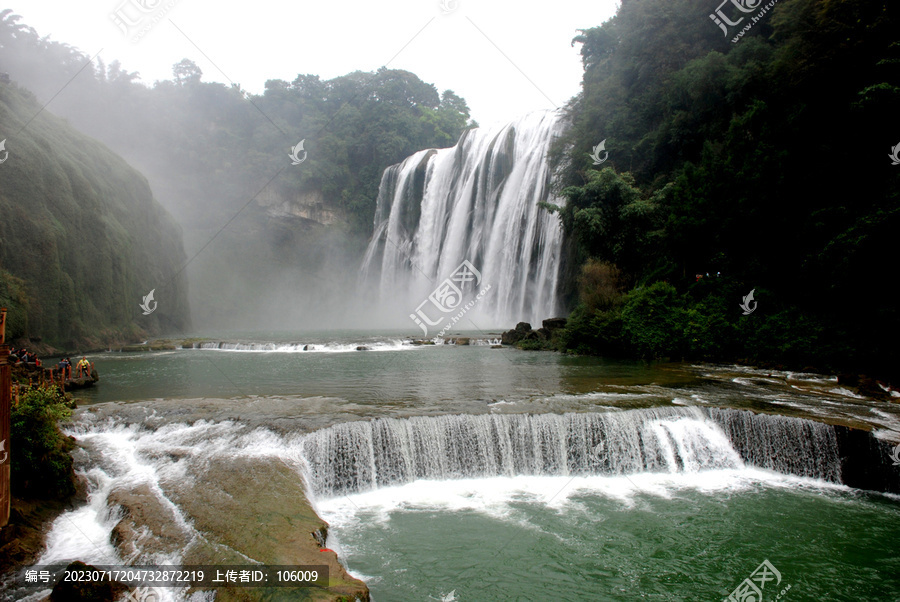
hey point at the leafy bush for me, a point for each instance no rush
(790, 337)
(708, 333)
(589, 332)
(654, 320)
(39, 451)
(599, 285)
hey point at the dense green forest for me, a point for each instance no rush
(81, 238)
(210, 151)
(735, 164)
(760, 164)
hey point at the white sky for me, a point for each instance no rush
(277, 39)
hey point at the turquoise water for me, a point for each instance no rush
(155, 417)
(392, 371)
(398, 378)
(654, 537)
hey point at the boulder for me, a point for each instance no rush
(848, 380)
(869, 387)
(147, 519)
(511, 337)
(864, 385)
(462, 341)
(554, 323)
(93, 591)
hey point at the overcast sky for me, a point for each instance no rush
(505, 58)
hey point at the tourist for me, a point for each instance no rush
(84, 367)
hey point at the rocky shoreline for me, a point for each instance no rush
(546, 338)
(297, 538)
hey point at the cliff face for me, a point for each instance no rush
(307, 205)
(82, 239)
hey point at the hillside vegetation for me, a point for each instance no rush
(81, 238)
(761, 165)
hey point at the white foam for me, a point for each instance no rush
(495, 496)
(83, 533)
(333, 347)
(846, 393)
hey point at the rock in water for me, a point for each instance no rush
(88, 591)
(511, 337)
(554, 323)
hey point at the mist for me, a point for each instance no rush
(273, 242)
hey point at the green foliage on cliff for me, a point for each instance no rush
(40, 462)
(763, 160)
(81, 238)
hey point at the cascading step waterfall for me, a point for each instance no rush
(366, 455)
(479, 202)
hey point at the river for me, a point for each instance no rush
(451, 472)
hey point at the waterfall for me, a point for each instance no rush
(360, 456)
(475, 202)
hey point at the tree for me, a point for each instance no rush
(186, 72)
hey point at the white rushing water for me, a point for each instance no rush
(362, 456)
(476, 202)
(433, 461)
(332, 347)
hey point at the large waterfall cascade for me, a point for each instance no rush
(475, 202)
(365, 455)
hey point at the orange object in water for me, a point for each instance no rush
(326, 550)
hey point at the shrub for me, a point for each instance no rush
(708, 332)
(654, 321)
(593, 333)
(39, 452)
(599, 285)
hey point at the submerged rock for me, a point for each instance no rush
(88, 591)
(865, 385)
(146, 517)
